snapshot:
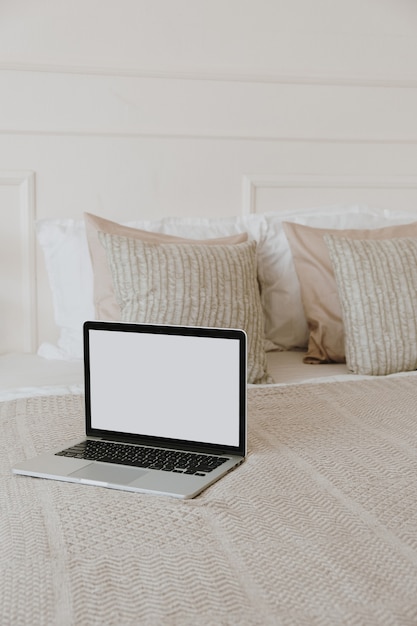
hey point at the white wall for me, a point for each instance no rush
(161, 106)
(156, 107)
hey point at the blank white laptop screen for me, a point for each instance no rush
(170, 386)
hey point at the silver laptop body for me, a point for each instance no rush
(165, 410)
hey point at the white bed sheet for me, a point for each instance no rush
(24, 375)
(287, 367)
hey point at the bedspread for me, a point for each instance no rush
(318, 526)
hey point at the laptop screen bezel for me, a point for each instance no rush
(225, 333)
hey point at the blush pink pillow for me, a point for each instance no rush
(318, 284)
(105, 303)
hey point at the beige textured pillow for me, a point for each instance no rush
(318, 286)
(105, 303)
(193, 285)
(377, 283)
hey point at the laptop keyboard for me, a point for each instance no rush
(142, 456)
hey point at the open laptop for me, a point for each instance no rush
(165, 410)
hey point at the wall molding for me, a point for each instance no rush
(25, 182)
(98, 107)
(218, 76)
(179, 135)
(251, 183)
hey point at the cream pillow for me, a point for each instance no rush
(105, 303)
(318, 286)
(377, 283)
(190, 284)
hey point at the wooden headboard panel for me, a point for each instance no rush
(26, 304)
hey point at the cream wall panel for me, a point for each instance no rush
(343, 39)
(43, 102)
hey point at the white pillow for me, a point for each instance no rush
(70, 277)
(68, 265)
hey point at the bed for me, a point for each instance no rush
(318, 526)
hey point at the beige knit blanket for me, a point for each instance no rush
(318, 526)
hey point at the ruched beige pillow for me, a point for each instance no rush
(377, 284)
(318, 285)
(190, 285)
(105, 303)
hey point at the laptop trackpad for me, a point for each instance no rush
(107, 473)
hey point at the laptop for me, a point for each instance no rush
(165, 410)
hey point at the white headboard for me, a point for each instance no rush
(26, 307)
(263, 193)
